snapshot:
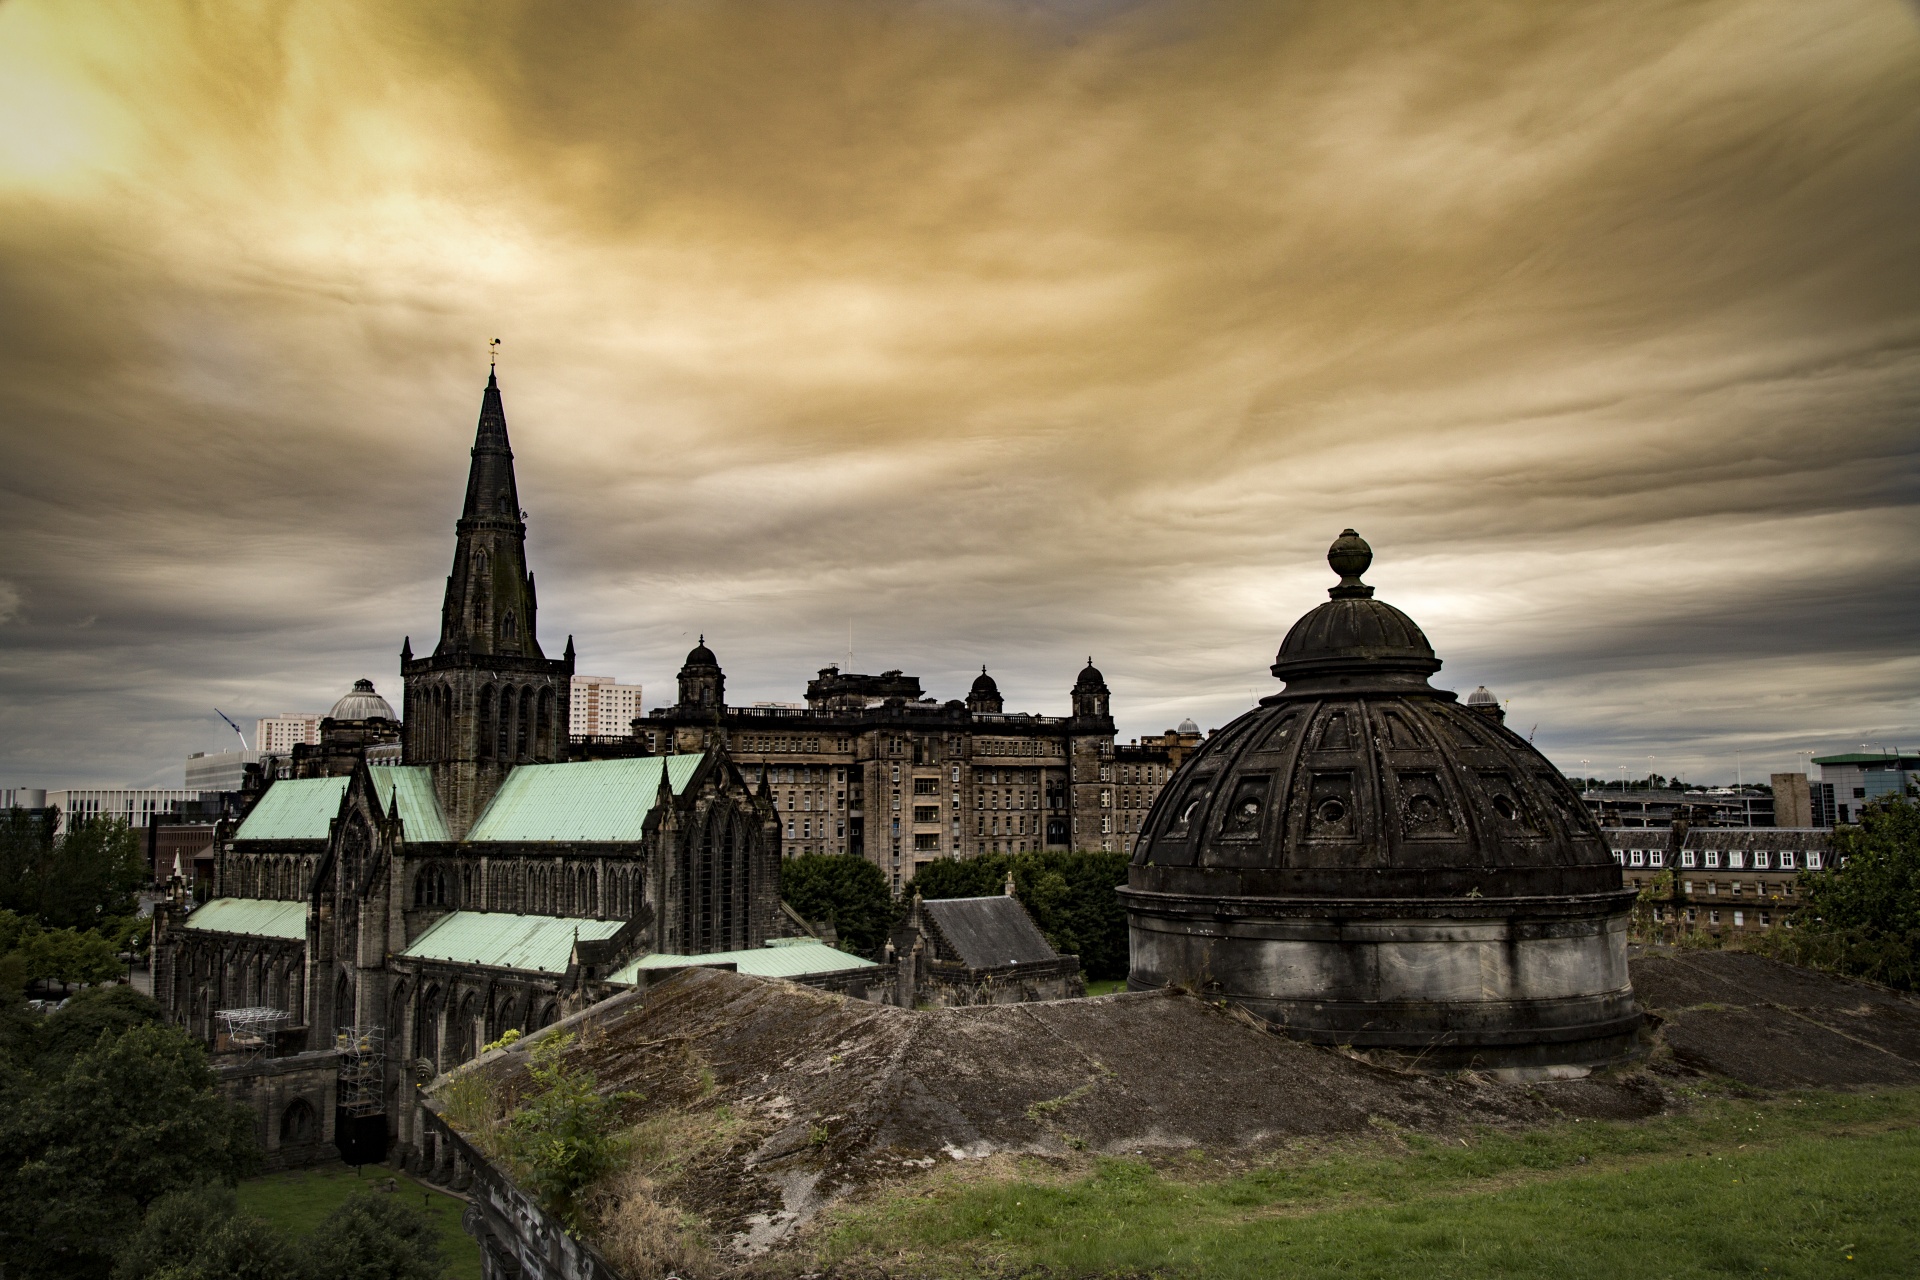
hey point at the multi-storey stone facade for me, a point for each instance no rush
(1722, 880)
(873, 767)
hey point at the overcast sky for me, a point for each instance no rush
(1005, 333)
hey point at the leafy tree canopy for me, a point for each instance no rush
(848, 890)
(87, 1144)
(1862, 914)
(201, 1234)
(89, 874)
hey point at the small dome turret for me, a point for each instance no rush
(1188, 726)
(362, 703)
(701, 656)
(985, 694)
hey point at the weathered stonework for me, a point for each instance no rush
(1360, 860)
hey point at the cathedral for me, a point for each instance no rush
(407, 912)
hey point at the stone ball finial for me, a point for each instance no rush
(1349, 557)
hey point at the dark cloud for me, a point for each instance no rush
(1005, 332)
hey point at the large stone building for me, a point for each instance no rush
(871, 766)
(411, 909)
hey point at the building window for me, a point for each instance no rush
(1739, 919)
(1656, 857)
(1813, 860)
(1765, 919)
(1713, 857)
(1736, 859)
(1686, 857)
(1686, 887)
(789, 828)
(1713, 917)
(1786, 859)
(1619, 857)
(926, 813)
(1759, 859)
(1637, 858)
(922, 843)
(926, 786)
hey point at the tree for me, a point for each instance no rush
(1861, 915)
(374, 1236)
(849, 891)
(562, 1136)
(88, 874)
(78, 1025)
(87, 1145)
(200, 1234)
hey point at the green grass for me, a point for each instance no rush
(1106, 986)
(1808, 1185)
(297, 1201)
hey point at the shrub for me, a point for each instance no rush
(563, 1138)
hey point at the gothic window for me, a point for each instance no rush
(296, 1123)
(509, 626)
(479, 562)
(463, 1043)
(523, 724)
(486, 722)
(426, 1027)
(343, 1002)
(503, 740)
(504, 503)
(544, 745)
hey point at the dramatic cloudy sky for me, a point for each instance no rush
(1006, 332)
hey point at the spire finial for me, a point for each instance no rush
(493, 358)
(1349, 557)
(983, 668)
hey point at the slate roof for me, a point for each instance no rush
(295, 809)
(255, 917)
(784, 958)
(502, 940)
(988, 932)
(591, 800)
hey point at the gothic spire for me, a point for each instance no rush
(489, 606)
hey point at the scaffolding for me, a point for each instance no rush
(363, 1070)
(251, 1031)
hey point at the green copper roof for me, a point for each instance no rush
(783, 958)
(294, 809)
(502, 940)
(419, 807)
(257, 917)
(591, 800)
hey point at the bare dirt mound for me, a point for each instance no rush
(1774, 1026)
(813, 1095)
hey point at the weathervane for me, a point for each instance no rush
(493, 353)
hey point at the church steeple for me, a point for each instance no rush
(486, 699)
(489, 605)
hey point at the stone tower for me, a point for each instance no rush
(487, 698)
(703, 686)
(1090, 752)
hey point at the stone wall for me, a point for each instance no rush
(518, 1239)
(292, 1099)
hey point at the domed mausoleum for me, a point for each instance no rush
(1361, 860)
